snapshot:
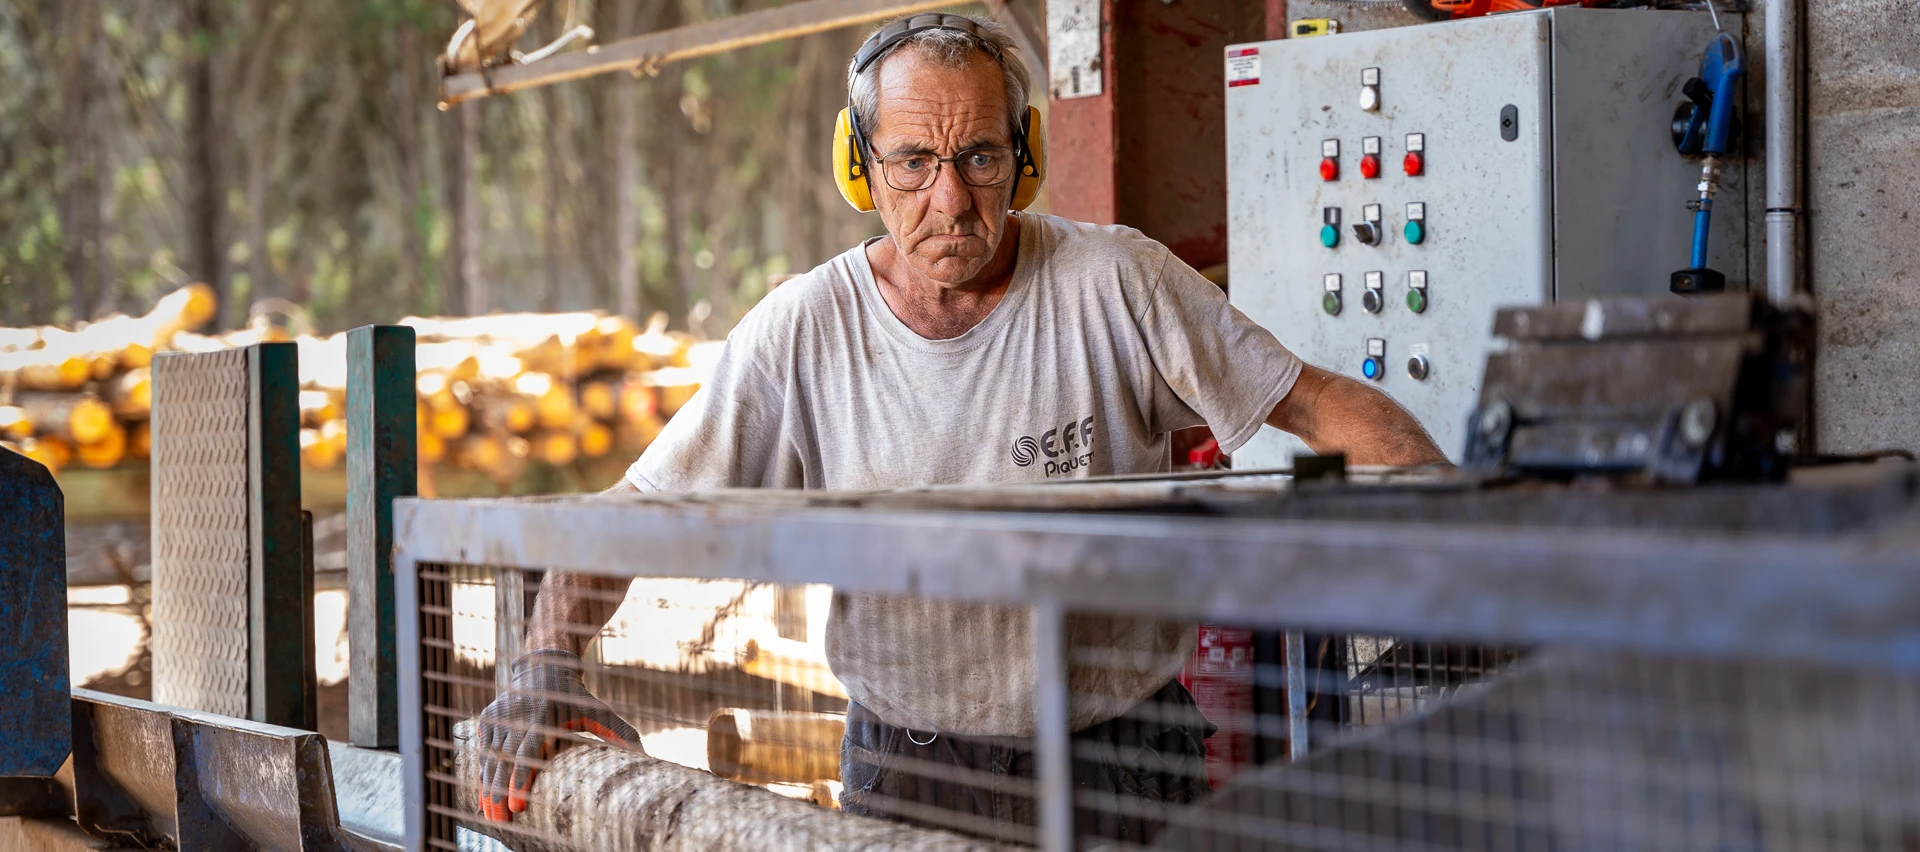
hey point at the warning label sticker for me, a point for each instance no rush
(1243, 67)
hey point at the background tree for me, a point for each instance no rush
(295, 151)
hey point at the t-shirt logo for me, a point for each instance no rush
(1024, 450)
(1067, 447)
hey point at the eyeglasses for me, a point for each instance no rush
(912, 172)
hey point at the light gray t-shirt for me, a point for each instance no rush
(1102, 345)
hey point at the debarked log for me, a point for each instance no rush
(767, 746)
(791, 662)
(607, 799)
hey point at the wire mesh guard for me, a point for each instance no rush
(1177, 743)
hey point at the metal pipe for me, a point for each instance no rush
(1053, 732)
(1785, 263)
(1297, 734)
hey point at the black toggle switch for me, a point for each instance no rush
(1372, 301)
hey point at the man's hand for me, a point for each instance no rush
(521, 729)
(1335, 414)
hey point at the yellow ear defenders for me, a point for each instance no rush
(850, 169)
(850, 140)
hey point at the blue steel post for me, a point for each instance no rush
(382, 464)
(281, 687)
(35, 726)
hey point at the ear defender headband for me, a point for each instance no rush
(850, 143)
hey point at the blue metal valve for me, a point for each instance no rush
(1703, 125)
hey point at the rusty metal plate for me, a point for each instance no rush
(123, 768)
(200, 531)
(161, 777)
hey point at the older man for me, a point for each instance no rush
(971, 344)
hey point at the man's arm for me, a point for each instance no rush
(519, 730)
(1336, 414)
(572, 608)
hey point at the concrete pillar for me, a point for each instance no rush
(1863, 202)
(1150, 151)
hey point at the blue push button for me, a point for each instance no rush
(1329, 236)
(1370, 368)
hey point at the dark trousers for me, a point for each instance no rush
(1149, 757)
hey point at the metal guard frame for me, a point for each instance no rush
(1849, 598)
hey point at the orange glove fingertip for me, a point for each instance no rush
(494, 811)
(480, 799)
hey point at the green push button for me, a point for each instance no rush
(1416, 231)
(1329, 236)
(1417, 301)
(1330, 302)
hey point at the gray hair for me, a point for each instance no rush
(948, 49)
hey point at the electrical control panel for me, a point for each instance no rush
(1389, 189)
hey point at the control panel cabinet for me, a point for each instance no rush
(1389, 189)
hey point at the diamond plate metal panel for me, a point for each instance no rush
(200, 533)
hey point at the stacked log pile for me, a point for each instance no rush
(495, 392)
(81, 396)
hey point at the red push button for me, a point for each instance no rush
(1329, 168)
(1369, 167)
(1414, 164)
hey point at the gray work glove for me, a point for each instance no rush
(524, 727)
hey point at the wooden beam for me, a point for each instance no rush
(791, 662)
(1025, 23)
(644, 52)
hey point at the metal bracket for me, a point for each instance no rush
(151, 774)
(1569, 397)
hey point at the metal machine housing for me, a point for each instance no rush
(1587, 199)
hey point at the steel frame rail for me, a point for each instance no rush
(1844, 599)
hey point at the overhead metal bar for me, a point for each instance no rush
(643, 52)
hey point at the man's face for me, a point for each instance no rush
(948, 231)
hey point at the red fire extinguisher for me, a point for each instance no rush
(1220, 676)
